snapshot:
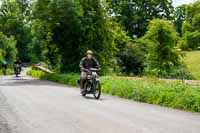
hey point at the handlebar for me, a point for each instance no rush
(90, 70)
(94, 69)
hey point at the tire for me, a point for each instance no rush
(97, 91)
(83, 94)
(17, 73)
(86, 85)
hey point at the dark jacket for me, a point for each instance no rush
(86, 63)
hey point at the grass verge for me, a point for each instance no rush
(8, 72)
(176, 95)
(193, 63)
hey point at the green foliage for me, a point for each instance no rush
(13, 23)
(192, 62)
(74, 27)
(132, 58)
(179, 18)
(58, 32)
(176, 95)
(135, 15)
(99, 33)
(35, 73)
(68, 79)
(7, 48)
(8, 72)
(191, 28)
(161, 39)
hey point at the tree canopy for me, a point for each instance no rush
(126, 36)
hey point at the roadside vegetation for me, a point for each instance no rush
(150, 90)
(8, 72)
(126, 39)
(192, 61)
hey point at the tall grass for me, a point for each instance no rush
(68, 79)
(192, 60)
(175, 95)
(8, 72)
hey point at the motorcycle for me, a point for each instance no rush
(17, 70)
(92, 84)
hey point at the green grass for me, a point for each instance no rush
(176, 95)
(68, 79)
(192, 61)
(8, 72)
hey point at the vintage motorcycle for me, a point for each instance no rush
(92, 84)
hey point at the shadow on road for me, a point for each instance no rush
(90, 97)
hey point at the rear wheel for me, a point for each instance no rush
(97, 91)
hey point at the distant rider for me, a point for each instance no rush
(5, 66)
(18, 63)
(86, 63)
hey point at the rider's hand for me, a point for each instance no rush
(86, 70)
(82, 69)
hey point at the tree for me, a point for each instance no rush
(161, 39)
(99, 33)
(7, 48)
(13, 23)
(133, 58)
(66, 29)
(179, 18)
(135, 15)
(191, 28)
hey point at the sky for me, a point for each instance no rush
(180, 2)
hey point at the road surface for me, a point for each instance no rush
(29, 105)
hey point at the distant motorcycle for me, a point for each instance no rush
(17, 70)
(92, 84)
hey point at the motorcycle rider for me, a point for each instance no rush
(86, 63)
(4, 66)
(17, 62)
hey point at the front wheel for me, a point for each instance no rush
(87, 88)
(17, 73)
(97, 90)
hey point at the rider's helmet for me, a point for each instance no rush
(89, 52)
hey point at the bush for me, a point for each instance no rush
(132, 58)
(68, 79)
(8, 72)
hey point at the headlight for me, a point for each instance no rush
(89, 76)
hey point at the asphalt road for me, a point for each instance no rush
(32, 106)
